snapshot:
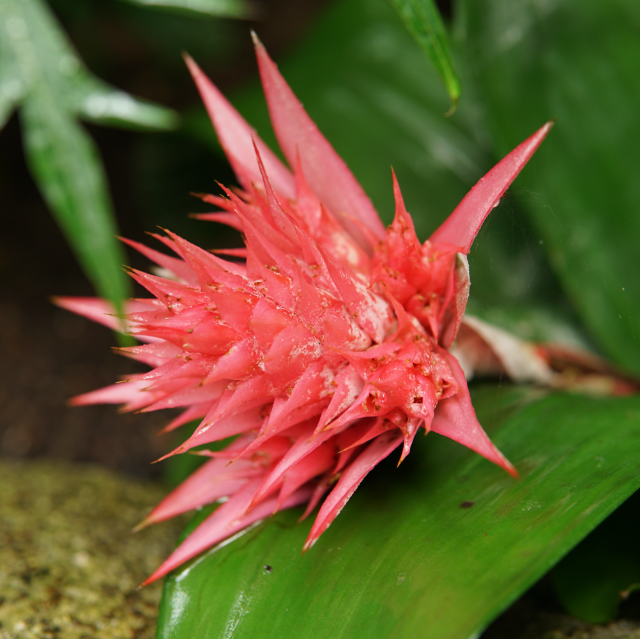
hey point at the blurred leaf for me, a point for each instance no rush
(592, 578)
(65, 163)
(423, 21)
(434, 549)
(577, 61)
(203, 8)
(102, 104)
(11, 86)
(40, 71)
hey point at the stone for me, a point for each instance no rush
(69, 564)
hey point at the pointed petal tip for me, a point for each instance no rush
(146, 522)
(462, 226)
(192, 65)
(511, 469)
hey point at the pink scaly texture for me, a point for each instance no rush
(325, 351)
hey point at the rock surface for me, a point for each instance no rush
(69, 565)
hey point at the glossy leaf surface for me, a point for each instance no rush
(423, 21)
(578, 62)
(41, 72)
(415, 546)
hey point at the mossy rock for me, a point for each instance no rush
(69, 565)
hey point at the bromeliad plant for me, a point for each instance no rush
(325, 351)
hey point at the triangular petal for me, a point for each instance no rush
(462, 226)
(350, 480)
(455, 418)
(225, 522)
(237, 139)
(326, 172)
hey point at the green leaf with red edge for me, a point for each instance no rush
(577, 61)
(436, 548)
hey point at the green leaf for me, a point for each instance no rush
(100, 103)
(576, 61)
(435, 549)
(423, 21)
(40, 70)
(593, 578)
(203, 8)
(66, 166)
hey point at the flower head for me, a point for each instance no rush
(325, 351)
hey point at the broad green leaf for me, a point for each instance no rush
(577, 61)
(423, 21)
(594, 577)
(41, 72)
(203, 8)
(434, 549)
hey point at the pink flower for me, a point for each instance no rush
(325, 351)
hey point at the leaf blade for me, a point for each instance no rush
(583, 197)
(423, 21)
(404, 559)
(65, 164)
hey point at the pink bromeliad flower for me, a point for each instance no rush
(325, 351)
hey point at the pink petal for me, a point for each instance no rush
(151, 354)
(301, 448)
(192, 413)
(461, 227)
(176, 266)
(455, 418)
(312, 386)
(325, 171)
(370, 311)
(224, 522)
(230, 219)
(101, 311)
(313, 465)
(237, 139)
(462, 284)
(132, 394)
(348, 385)
(211, 430)
(193, 392)
(349, 482)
